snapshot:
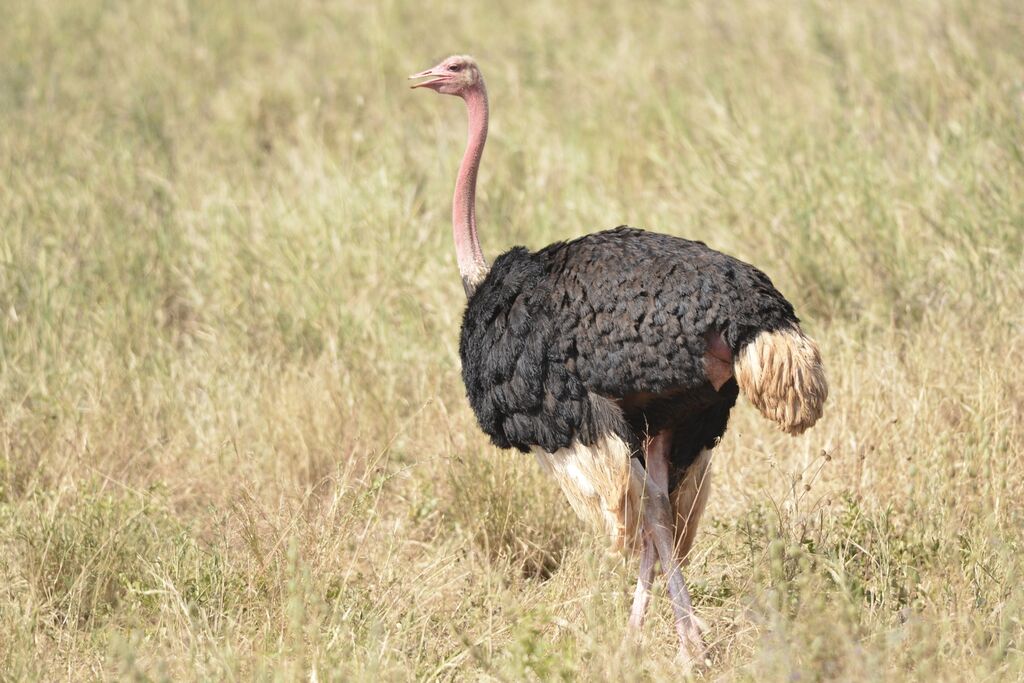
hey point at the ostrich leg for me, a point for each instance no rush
(688, 502)
(659, 526)
(642, 595)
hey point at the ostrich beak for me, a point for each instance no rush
(438, 78)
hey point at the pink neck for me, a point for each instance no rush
(472, 265)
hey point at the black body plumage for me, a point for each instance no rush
(608, 332)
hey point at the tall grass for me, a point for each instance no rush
(233, 437)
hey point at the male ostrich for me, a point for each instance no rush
(616, 359)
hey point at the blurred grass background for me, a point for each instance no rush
(233, 438)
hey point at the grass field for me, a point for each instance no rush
(234, 442)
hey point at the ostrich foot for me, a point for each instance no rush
(692, 651)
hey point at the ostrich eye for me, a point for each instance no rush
(454, 67)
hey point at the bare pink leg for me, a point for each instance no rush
(658, 523)
(642, 595)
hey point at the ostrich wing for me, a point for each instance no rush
(614, 314)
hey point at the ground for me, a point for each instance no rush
(233, 439)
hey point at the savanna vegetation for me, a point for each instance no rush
(234, 442)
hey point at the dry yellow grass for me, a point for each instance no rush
(233, 438)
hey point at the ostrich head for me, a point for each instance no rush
(457, 75)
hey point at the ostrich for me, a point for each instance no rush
(616, 358)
